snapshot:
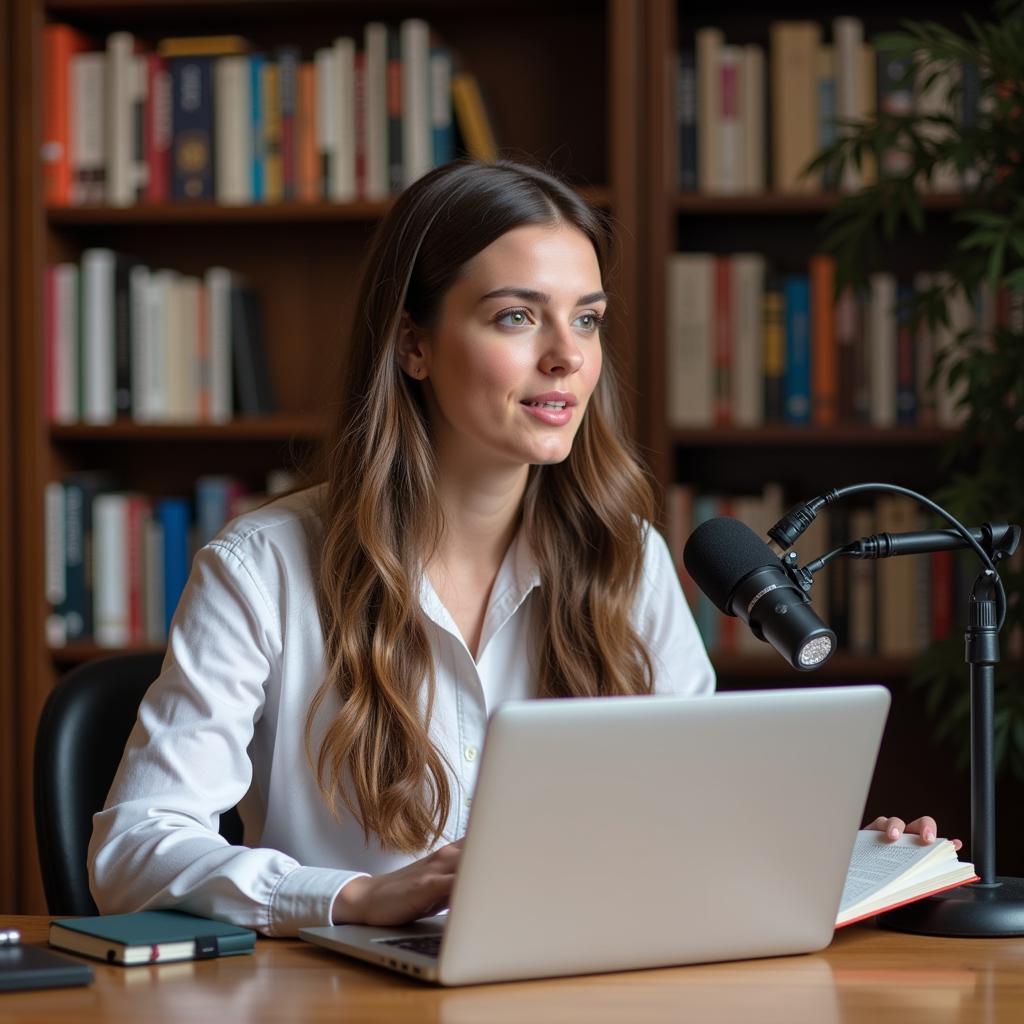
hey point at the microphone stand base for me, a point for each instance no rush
(972, 911)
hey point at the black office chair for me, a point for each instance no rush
(81, 735)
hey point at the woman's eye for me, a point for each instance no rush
(513, 317)
(590, 321)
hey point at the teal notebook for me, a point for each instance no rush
(150, 937)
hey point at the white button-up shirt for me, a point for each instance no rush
(224, 724)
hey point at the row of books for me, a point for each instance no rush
(209, 118)
(125, 340)
(736, 112)
(746, 347)
(117, 561)
(892, 607)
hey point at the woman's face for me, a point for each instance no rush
(516, 352)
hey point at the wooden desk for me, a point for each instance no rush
(865, 975)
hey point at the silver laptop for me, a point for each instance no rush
(609, 834)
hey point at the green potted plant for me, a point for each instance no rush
(987, 368)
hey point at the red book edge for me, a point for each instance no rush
(913, 899)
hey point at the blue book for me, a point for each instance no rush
(706, 615)
(192, 128)
(173, 514)
(797, 380)
(686, 119)
(259, 139)
(150, 936)
(80, 490)
(442, 127)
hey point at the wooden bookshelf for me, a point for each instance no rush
(563, 86)
(806, 460)
(9, 821)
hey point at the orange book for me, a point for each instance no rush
(824, 351)
(308, 166)
(60, 44)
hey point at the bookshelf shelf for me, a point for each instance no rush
(841, 436)
(785, 203)
(277, 428)
(76, 654)
(190, 214)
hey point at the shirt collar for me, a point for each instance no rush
(518, 575)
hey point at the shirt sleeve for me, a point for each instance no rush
(664, 621)
(155, 845)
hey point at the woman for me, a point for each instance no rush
(481, 535)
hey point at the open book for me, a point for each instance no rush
(884, 874)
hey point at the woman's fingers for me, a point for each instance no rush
(925, 827)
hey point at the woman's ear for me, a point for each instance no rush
(412, 348)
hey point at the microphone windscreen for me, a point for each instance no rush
(720, 553)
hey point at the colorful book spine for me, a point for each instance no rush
(192, 120)
(173, 516)
(288, 59)
(798, 349)
(60, 44)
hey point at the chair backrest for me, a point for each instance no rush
(79, 742)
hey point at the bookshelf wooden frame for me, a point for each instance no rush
(39, 234)
(8, 685)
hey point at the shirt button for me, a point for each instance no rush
(471, 753)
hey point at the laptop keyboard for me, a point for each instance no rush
(425, 945)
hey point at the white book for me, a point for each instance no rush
(175, 353)
(54, 509)
(233, 148)
(752, 113)
(110, 569)
(709, 42)
(120, 179)
(881, 349)
(417, 145)
(65, 343)
(689, 347)
(343, 170)
(731, 158)
(87, 129)
(848, 39)
(218, 319)
(153, 575)
(747, 270)
(151, 401)
(375, 91)
(98, 336)
(948, 410)
(326, 115)
(138, 289)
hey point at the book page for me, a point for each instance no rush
(877, 862)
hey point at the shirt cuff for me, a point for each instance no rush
(304, 898)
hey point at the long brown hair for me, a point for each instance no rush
(584, 518)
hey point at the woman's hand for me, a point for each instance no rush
(925, 827)
(418, 890)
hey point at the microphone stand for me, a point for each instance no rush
(994, 905)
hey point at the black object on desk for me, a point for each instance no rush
(24, 967)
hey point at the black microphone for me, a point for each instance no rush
(743, 577)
